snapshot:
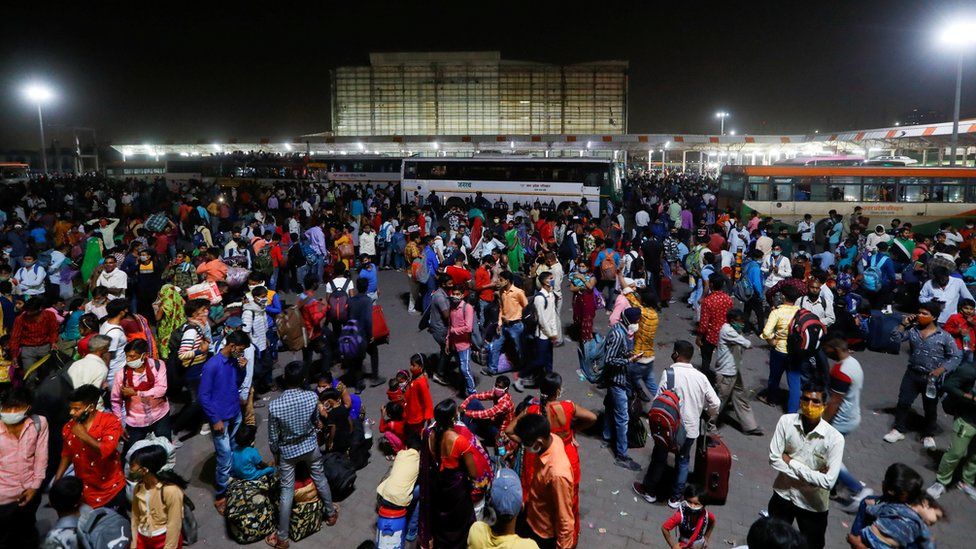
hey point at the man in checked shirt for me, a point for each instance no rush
(490, 423)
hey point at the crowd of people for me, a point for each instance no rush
(137, 314)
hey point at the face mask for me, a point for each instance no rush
(498, 392)
(8, 250)
(12, 418)
(136, 476)
(455, 301)
(632, 329)
(738, 326)
(144, 258)
(776, 253)
(533, 449)
(134, 363)
(811, 411)
(692, 508)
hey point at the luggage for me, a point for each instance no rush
(351, 343)
(291, 329)
(879, 333)
(204, 290)
(341, 474)
(591, 356)
(713, 467)
(250, 513)
(338, 302)
(381, 331)
(636, 430)
(306, 519)
(104, 528)
(804, 333)
(665, 416)
(155, 223)
(390, 527)
(237, 276)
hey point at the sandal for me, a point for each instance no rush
(765, 400)
(331, 521)
(274, 541)
(220, 505)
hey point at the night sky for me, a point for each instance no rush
(156, 71)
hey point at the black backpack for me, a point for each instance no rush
(338, 302)
(530, 316)
(341, 474)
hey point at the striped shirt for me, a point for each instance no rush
(618, 350)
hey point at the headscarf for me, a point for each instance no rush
(93, 256)
(171, 304)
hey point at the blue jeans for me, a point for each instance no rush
(413, 516)
(659, 461)
(696, 294)
(778, 364)
(464, 363)
(513, 332)
(637, 372)
(494, 352)
(273, 281)
(223, 445)
(615, 418)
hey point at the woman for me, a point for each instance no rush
(139, 395)
(448, 465)
(169, 316)
(157, 500)
(565, 418)
(581, 284)
(515, 252)
(344, 247)
(92, 258)
(459, 336)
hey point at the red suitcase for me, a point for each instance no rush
(713, 466)
(665, 294)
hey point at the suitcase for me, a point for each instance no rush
(879, 333)
(713, 467)
(666, 288)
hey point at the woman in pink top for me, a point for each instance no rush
(459, 336)
(139, 395)
(621, 304)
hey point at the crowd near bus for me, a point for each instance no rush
(137, 313)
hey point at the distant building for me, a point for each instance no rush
(922, 116)
(477, 93)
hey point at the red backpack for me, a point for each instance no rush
(665, 416)
(804, 333)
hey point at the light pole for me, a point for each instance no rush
(40, 94)
(958, 36)
(722, 115)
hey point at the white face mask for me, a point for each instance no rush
(134, 363)
(632, 329)
(12, 418)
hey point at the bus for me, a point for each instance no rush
(515, 179)
(920, 195)
(821, 160)
(368, 169)
(14, 173)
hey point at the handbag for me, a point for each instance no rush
(346, 251)
(381, 331)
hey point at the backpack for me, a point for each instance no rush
(262, 261)
(422, 272)
(636, 431)
(340, 473)
(103, 528)
(804, 333)
(191, 527)
(693, 261)
(291, 329)
(743, 290)
(872, 275)
(665, 416)
(530, 315)
(351, 343)
(338, 303)
(250, 512)
(198, 239)
(591, 355)
(155, 223)
(608, 268)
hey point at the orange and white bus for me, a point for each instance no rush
(13, 173)
(924, 196)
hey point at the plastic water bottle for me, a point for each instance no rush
(367, 429)
(931, 391)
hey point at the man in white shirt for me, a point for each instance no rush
(107, 228)
(546, 333)
(92, 369)
(946, 289)
(814, 302)
(29, 279)
(806, 229)
(553, 266)
(776, 267)
(879, 235)
(112, 328)
(112, 278)
(738, 238)
(642, 218)
(807, 453)
(695, 396)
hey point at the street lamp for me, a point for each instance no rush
(39, 94)
(722, 115)
(731, 132)
(958, 36)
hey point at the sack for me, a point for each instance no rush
(338, 303)
(351, 343)
(191, 528)
(347, 251)
(103, 528)
(155, 223)
(804, 333)
(204, 290)
(306, 519)
(237, 276)
(250, 512)
(591, 355)
(262, 261)
(381, 331)
(530, 315)
(872, 278)
(636, 431)
(608, 268)
(743, 290)
(291, 329)
(341, 475)
(665, 416)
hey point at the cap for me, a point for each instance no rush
(506, 493)
(632, 314)
(234, 322)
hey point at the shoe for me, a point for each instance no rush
(855, 503)
(486, 372)
(675, 503)
(894, 436)
(639, 490)
(627, 463)
(757, 432)
(928, 443)
(376, 381)
(439, 380)
(205, 430)
(937, 490)
(331, 521)
(966, 488)
(519, 386)
(274, 541)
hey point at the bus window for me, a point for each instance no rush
(806, 187)
(836, 189)
(757, 188)
(879, 189)
(914, 189)
(781, 189)
(410, 170)
(951, 190)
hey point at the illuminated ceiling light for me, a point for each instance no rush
(731, 132)
(287, 147)
(436, 145)
(589, 144)
(897, 124)
(667, 144)
(361, 146)
(959, 34)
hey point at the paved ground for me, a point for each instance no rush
(611, 514)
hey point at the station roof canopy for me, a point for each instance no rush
(854, 141)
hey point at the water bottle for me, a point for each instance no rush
(367, 429)
(931, 391)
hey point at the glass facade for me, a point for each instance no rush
(477, 94)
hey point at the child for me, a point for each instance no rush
(392, 428)
(65, 499)
(336, 433)
(246, 462)
(693, 521)
(98, 303)
(901, 484)
(74, 313)
(962, 327)
(728, 378)
(418, 408)
(899, 525)
(352, 401)
(398, 387)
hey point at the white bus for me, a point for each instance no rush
(372, 169)
(14, 173)
(515, 179)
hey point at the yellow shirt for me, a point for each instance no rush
(778, 324)
(646, 327)
(397, 488)
(513, 300)
(480, 536)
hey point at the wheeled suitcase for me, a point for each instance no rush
(879, 333)
(713, 467)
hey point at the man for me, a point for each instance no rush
(932, 353)
(361, 310)
(752, 273)
(222, 406)
(106, 227)
(30, 278)
(807, 453)
(844, 407)
(775, 333)
(553, 266)
(292, 437)
(695, 396)
(484, 286)
(439, 322)
(806, 230)
(368, 272)
(877, 276)
(489, 423)
(23, 462)
(545, 336)
(714, 308)
(505, 499)
(776, 267)
(512, 300)
(112, 278)
(91, 440)
(815, 302)
(961, 402)
(619, 354)
(945, 289)
(92, 369)
(548, 516)
(35, 331)
(878, 236)
(213, 269)
(111, 327)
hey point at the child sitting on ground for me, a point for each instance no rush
(246, 462)
(693, 522)
(392, 428)
(336, 432)
(899, 525)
